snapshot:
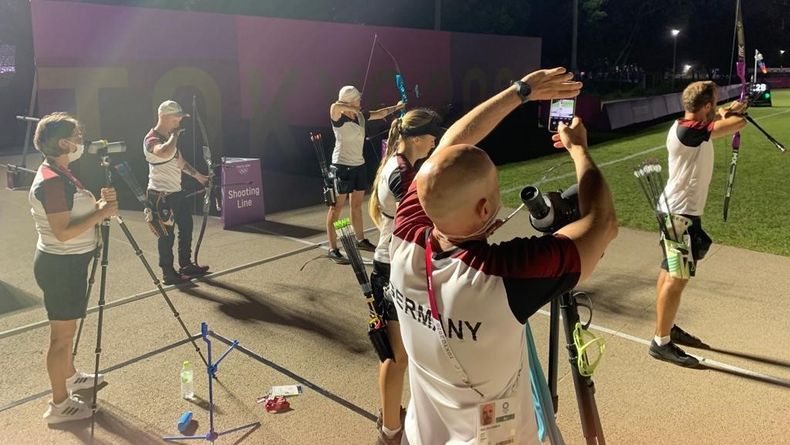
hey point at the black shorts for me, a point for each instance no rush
(379, 279)
(699, 240)
(64, 280)
(350, 179)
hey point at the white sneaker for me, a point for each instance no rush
(81, 380)
(68, 410)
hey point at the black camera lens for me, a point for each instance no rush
(534, 201)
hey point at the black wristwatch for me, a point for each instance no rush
(523, 90)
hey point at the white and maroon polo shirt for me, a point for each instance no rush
(394, 180)
(56, 190)
(484, 293)
(690, 164)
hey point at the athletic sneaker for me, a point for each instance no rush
(366, 245)
(81, 380)
(337, 257)
(682, 337)
(383, 439)
(671, 353)
(67, 411)
(173, 277)
(193, 270)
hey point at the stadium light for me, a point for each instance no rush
(675, 33)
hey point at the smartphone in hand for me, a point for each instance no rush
(561, 110)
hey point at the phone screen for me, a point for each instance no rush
(561, 111)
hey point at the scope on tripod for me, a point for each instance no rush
(552, 211)
(104, 147)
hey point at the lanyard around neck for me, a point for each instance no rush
(437, 325)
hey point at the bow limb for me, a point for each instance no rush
(399, 82)
(370, 59)
(209, 186)
(740, 69)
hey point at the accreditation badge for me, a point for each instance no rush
(497, 422)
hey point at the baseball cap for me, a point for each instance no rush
(349, 94)
(171, 107)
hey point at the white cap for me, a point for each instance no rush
(349, 94)
(171, 107)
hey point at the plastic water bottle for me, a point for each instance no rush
(187, 387)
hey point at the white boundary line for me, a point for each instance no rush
(704, 361)
(618, 160)
(142, 295)
(299, 240)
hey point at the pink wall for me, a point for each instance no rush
(261, 83)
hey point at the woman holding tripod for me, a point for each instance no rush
(411, 139)
(66, 216)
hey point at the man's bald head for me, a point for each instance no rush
(458, 189)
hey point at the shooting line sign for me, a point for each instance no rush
(242, 191)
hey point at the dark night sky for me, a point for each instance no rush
(626, 31)
(615, 31)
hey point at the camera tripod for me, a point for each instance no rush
(585, 388)
(105, 249)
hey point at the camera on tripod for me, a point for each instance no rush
(548, 213)
(551, 211)
(103, 148)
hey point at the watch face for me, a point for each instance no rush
(523, 90)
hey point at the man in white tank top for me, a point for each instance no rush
(348, 163)
(690, 147)
(165, 165)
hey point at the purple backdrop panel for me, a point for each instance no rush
(297, 64)
(588, 108)
(81, 34)
(620, 113)
(658, 107)
(673, 103)
(242, 192)
(641, 110)
(260, 83)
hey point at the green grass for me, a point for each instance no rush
(759, 216)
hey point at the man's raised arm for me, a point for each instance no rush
(546, 84)
(597, 226)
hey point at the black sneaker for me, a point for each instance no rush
(337, 257)
(193, 270)
(172, 277)
(671, 353)
(682, 337)
(366, 245)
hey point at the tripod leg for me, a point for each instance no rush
(105, 235)
(554, 341)
(158, 285)
(239, 428)
(585, 388)
(91, 280)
